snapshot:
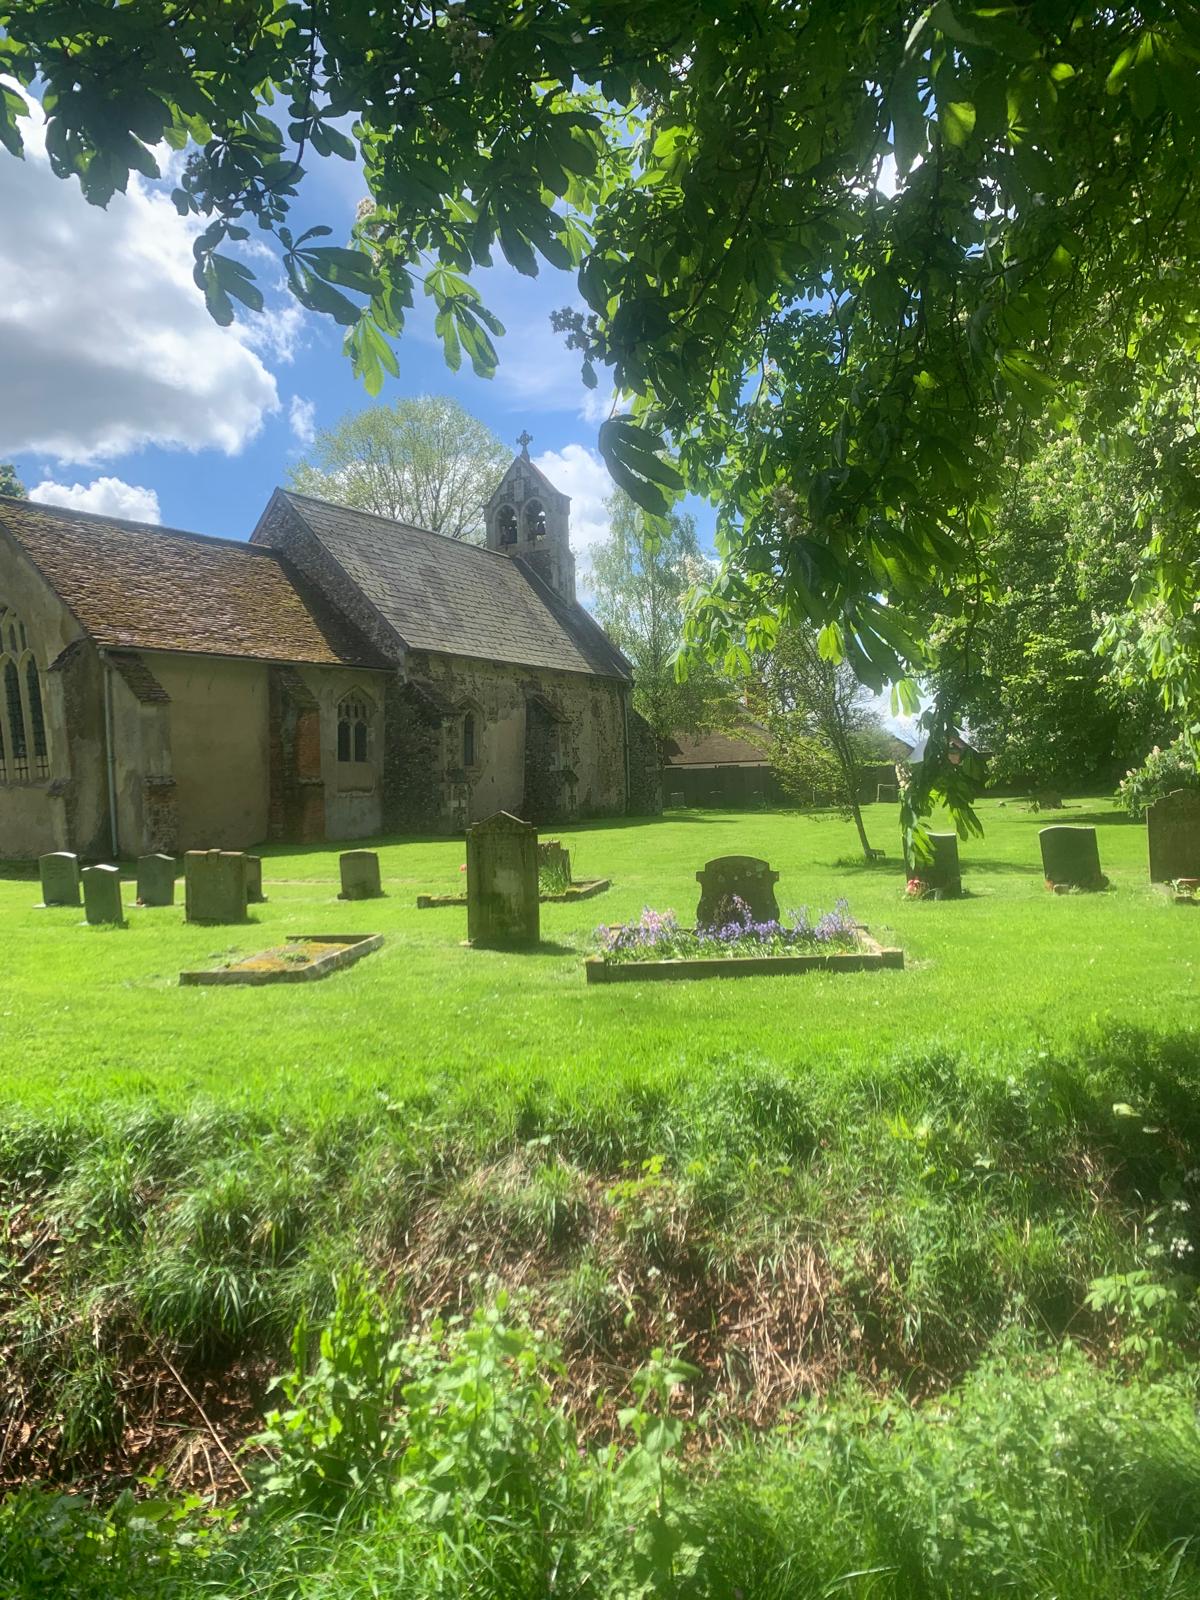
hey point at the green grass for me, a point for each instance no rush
(93, 1017)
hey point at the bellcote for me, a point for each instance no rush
(528, 519)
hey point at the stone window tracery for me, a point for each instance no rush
(355, 719)
(24, 751)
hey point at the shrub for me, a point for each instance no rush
(1160, 773)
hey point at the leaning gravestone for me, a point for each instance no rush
(1173, 836)
(102, 896)
(360, 875)
(553, 857)
(1071, 858)
(59, 872)
(156, 880)
(502, 882)
(942, 874)
(750, 879)
(215, 886)
(254, 888)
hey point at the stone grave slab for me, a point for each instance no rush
(1071, 858)
(59, 873)
(745, 877)
(360, 875)
(215, 886)
(1173, 836)
(102, 896)
(254, 888)
(156, 880)
(502, 882)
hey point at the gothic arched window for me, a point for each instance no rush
(506, 525)
(355, 717)
(535, 520)
(24, 752)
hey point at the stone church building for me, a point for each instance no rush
(340, 675)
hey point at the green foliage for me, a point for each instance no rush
(1175, 767)
(425, 461)
(9, 482)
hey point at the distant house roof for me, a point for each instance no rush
(451, 598)
(712, 750)
(958, 742)
(136, 587)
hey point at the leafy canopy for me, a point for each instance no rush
(833, 257)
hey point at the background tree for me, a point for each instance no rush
(425, 461)
(9, 482)
(642, 574)
(1061, 559)
(819, 723)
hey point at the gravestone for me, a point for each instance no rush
(360, 875)
(215, 886)
(677, 800)
(102, 896)
(553, 857)
(59, 872)
(156, 880)
(1173, 836)
(254, 888)
(886, 793)
(1071, 858)
(502, 882)
(750, 879)
(942, 873)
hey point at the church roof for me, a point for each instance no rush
(451, 598)
(136, 587)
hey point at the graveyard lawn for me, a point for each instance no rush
(93, 1017)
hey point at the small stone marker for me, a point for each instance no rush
(676, 800)
(943, 874)
(1173, 836)
(102, 896)
(360, 875)
(553, 857)
(156, 880)
(1071, 858)
(214, 886)
(746, 877)
(254, 888)
(502, 882)
(59, 872)
(886, 793)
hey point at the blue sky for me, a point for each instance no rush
(118, 394)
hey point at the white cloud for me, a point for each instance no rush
(109, 497)
(302, 419)
(107, 344)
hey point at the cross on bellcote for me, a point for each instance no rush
(525, 440)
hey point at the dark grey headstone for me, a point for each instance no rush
(1173, 836)
(214, 886)
(254, 888)
(156, 880)
(887, 793)
(943, 872)
(745, 877)
(1071, 858)
(360, 875)
(102, 895)
(59, 872)
(502, 882)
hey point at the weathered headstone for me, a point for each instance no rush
(156, 880)
(886, 793)
(102, 895)
(502, 882)
(360, 875)
(1173, 836)
(942, 874)
(254, 888)
(676, 800)
(1071, 858)
(59, 872)
(745, 877)
(554, 857)
(214, 886)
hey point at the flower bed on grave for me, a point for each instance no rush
(657, 947)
